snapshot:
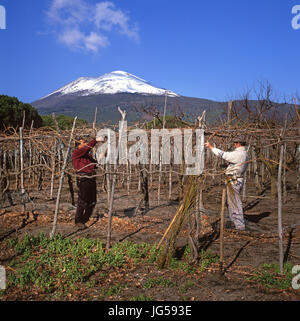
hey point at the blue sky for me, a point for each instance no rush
(206, 49)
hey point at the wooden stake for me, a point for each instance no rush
(170, 182)
(30, 152)
(16, 168)
(61, 179)
(123, 114)
(95, 119)
(284, 176)
(298, 168)
(229, 112)
(160, 151)
(279, 196)
(52, 170)
(22, 160)
(222, 230)
(24, 116)
(280, 210)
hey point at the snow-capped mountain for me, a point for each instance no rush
(116, 89)
(111, 83)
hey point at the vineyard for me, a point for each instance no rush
(154, 228)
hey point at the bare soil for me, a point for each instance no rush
(244, 252)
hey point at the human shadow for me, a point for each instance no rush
(207, 239)
(24, 223)
(255, 218)
(135, 210)
(288, 247)
(129, 212)
(236, 256)
(137, 231)
(79, 231)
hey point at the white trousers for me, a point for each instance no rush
(234, 203)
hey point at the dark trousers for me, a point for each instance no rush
(87, 199)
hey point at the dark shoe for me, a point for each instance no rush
(81, 226)
(96, 215)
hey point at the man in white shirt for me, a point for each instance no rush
(238, 163)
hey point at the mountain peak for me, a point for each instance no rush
(121, 72)
(117, 81)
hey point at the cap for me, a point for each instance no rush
(239, 139)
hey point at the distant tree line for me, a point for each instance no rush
(64, 122)
(14, 112)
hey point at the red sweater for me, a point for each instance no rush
(82, 160)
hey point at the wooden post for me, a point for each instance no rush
(222, 230)
(262, 170)
(160, 151)
(244, 191)
(61, 180)
(95, 119)
(284, 175)
(151, 176)
(280, 210)
(256, 172)
(123, 114)
(95, 130)
(22, 160)
(279, 196)
(229, 112)
(298, 168)
(170, 181)
(128, 170)
(24, 116)
(60, 151)
(30, 152)
(16, 168)
(52, 170)
(138, 173)
(34, 170)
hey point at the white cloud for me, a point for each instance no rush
(81, 25)
(71, 37)
(94, 41)
(107, 16)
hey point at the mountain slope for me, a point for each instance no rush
(134, 104)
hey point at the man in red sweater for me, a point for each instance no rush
(85, 165)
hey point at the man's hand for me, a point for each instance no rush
(208, 145)
(100, 139)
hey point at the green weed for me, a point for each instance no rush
(206, 259)
(59, 265)
(113, 290)
(270, 277)
(186, 285)
(141, 297)
(150, 283)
